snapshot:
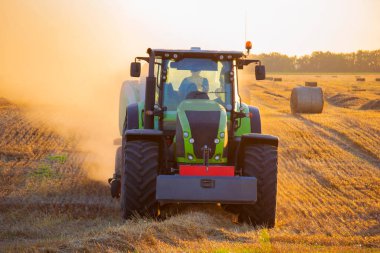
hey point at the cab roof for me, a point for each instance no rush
(196, 53)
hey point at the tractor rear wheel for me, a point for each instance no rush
(260, 161)
(139, 173)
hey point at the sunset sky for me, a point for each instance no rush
(287, 26)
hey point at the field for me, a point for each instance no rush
(328, 183)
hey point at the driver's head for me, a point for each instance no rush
(186, 89)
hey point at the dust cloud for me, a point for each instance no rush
(65, 61)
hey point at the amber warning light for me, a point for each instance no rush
(248, 46)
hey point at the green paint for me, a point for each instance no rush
(170, 120)
(189, 148)
(245, 123)
(199, 105)
(198, 161)
(140, 106)
(222, 141)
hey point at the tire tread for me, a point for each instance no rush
(139, 179)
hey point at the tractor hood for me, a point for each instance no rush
(201, 132)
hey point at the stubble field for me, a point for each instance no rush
(328, 183)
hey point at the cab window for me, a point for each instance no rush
(189, 75)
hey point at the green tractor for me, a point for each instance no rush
(192, 140)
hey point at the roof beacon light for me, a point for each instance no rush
(248, 46)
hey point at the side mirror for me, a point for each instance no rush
(260, 72)
(135, 69)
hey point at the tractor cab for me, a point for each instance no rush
(192, 97)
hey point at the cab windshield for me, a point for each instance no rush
(191, 78)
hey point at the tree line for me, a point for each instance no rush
(360, 61)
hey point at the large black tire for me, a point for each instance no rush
(260, 161)
(138, 187)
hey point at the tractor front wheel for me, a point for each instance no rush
(260, 161)
(139, 173)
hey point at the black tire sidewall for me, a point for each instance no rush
(142, 171)
(260, 161)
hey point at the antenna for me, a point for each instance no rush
(248, 44)
(245, 26)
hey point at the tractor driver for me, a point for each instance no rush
(195, 78)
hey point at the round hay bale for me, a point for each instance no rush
(377, 79)
(269, 78)
(360, 79)
(277, 79)
(311, 84)
(306, 100)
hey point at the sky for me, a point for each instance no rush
(294, 27)
(70, 57)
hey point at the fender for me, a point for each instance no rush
(254, 139)
(150, 135)
(132, 116)
(250, 124)
(144, 134)
(255, 119)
